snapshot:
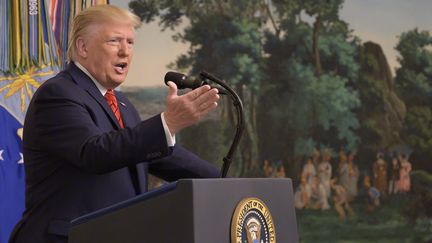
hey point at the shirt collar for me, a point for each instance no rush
(101, 88)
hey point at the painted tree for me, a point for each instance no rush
(311, 65)
(414, 84)
(224, 39)
(292, 63)
(382, 112)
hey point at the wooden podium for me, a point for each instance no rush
(193, 210)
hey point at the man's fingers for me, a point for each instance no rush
(187, 109)
(209, 96)
(208, 107)
(194, 94)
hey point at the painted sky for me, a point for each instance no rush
(380, 21)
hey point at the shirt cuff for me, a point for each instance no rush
(169, 138)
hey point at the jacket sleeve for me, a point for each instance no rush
(182, 164)
(179, 164)
(60, 123)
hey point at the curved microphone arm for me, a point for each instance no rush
(240, 121)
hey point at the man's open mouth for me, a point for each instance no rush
(121, 66)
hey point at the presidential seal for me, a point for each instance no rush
(252, 222)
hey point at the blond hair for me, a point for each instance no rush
(95, 15)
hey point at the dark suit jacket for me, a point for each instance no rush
(78, 160)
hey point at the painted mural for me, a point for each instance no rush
(322, 107)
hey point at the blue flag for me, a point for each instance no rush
(11, 173)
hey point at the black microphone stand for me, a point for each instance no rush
(240, 121)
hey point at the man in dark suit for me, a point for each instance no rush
(85, 147)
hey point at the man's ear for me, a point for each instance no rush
(81, 47)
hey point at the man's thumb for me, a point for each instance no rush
(172, 92)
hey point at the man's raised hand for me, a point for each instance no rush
(185, 110)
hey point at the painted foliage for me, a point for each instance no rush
(322, 107)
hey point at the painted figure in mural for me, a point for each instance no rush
(319, 198)
(325, 171)
(309, 171)
(404, 183)
(343, 169)
(280, 171)
(394, 175)
(302, 194)
(268, 168)
(340, 199)
(349, 174)
(353, 175)
(380, 174)
(372, 194)
(316, 157)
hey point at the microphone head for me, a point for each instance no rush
(182, 81)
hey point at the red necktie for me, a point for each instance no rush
(112, 102)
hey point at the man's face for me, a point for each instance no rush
(108, 53)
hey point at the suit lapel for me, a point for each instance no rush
(138, 175)
(87, 84)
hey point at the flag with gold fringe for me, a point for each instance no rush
(33, 44)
